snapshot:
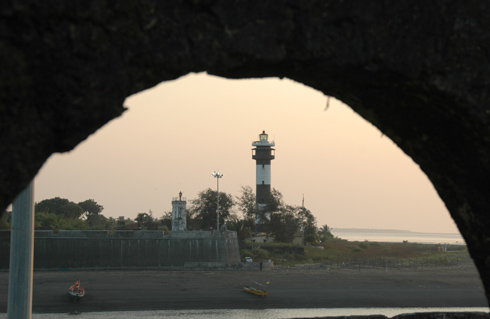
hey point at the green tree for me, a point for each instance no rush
(274, 204)
(325, 233)
(166, 220)
(313, 239)
(285, 220)
(57, 221)
(164, 228)
(284, 224)
(247, 205)
(192, 221)
(307, 221)
(272, 216)
(279, 219)
(246, 202)
(142, 219)
(203, 208)
(59, 206)
(100, 222)
(71, 211)
(241, 226)
(91, 211)
(109, 222)
(122, 221)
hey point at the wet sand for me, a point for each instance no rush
(288, 288)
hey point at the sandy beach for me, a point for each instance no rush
(288, 288)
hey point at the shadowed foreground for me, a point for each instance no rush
(161, 290)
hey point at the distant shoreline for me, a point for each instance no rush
(374, 230)
(397, 236)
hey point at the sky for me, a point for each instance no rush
(174, 135)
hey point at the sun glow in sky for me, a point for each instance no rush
(175, 134)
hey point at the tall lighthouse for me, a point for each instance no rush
(263, 153)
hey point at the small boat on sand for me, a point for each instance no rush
(76, 291)
(255, 291)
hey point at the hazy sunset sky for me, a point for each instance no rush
(174, 135)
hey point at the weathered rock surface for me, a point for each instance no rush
(419, 71)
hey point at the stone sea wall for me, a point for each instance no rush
(126, 249)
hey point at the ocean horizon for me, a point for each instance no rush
(397, 236)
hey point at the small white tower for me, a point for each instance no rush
(263, 153)
(179, 220)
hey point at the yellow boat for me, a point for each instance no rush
(255, 291)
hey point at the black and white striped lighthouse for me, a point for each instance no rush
(263, 153)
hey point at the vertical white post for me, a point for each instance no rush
(217, 175)
(21, 256)
(217, 204)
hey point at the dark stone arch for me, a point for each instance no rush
(419, 71)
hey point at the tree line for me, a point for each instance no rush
(278, 219)
(60, 213)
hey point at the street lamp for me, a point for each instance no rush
(217, 175)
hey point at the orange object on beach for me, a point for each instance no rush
(76, 291)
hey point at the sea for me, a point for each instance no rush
(397, 236)
(247, 313)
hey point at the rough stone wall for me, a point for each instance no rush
(145, 249)
(418, 71)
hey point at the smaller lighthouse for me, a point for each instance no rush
(263, 153)
(179, 220)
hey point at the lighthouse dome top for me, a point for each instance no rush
(263, 140)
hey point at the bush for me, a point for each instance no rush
(299, 257)
(164, 228)
(312, 239)
(259, 254)
(363, 245)
(245, 253)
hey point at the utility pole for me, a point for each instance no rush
(21, 256)
(218, 175)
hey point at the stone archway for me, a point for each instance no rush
(418, 72)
